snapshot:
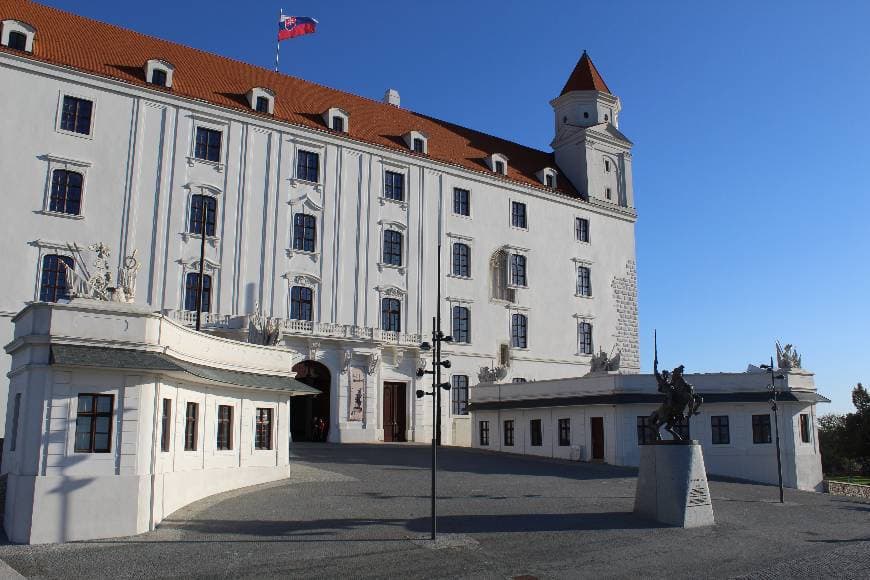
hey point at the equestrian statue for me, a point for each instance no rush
(680, 402)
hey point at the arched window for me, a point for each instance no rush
(196, 207)
(391, 315)
(53, 286)
(498, 271)
(461, 324)
(301, 303)
(519, 331)
(461, 260)
(66, 192)
(191, 290)
(304, 232)
(392, 247)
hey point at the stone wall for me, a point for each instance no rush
(625, 297)
(850, 489)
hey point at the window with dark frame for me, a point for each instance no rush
(519, 331)
(66, 192)
(550, 180)
(761, 429)
(607, 165)
(191, 289)
(191, 426)
(195, 222)
(16, 413)
(608, 193)
(52, 282)
(208, 144)
(509, 433)
(584, 342)
(17, 41)
(499, 167)
(518, 270)
(338, 123)
(301, 303)
(392, 247)
(224, 427)
(308, 166)
(519, 219)
(263, 432)
(564, 432)
(484, 433)
(94, 423)
(461, 324)
(459, 394)
(645, 434)
(584, 281)
(262, 104)
(581, 229)
(158, 77)
(391, 315)
(419, 145)
(720, 430)
(461, 201)
(166, 425)
(461, 260)
(76, 115)
(536, 432)
(394, 185)
(805, 428)
(304, 232)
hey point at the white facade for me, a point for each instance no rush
(616, 402)
(140, 172)
(63, 486)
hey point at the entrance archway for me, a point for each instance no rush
(309, 415)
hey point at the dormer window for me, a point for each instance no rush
(337, 119)
(417, 142)
(498, 163)
(547, 176)
(262, 100)
(550, 180)
(159, 73)
(17, 35)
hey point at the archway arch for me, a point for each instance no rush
(310, 416)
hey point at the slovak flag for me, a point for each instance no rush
(293, 26)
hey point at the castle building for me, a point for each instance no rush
(322, 210)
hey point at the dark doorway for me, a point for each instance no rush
(597, 425)
(394, 411)
(309, 414)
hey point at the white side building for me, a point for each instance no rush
(322, 207)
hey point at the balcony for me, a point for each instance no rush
(188, 318)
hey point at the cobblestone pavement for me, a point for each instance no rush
(361, 511)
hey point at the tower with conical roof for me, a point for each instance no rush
(589, 148)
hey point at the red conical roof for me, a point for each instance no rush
(585, 78)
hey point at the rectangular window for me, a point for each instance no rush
(391, 315)
(584, 341)
(518, 270)
(419, 145)
(308, 166)
(805, 427)
(460, 394)
(304, 232)
(536, 432)
(509, 433)
(224, 427)
(608, 194)
(584, 281)
(461, 201)
(720, 430)
(518, 215)
(191, 426)
(208, 144)
(66, 192)
(394, 185)
(461, 260)
(645, 434)
(159, 78)
(166, 425)
(191, 291)
(581, 229)
(94, 424)
(16, 412)
(564, 432)
(76, 115)
(761, 429)
(499, 167)
(263, 435)
(196, 214)
(262, 105)
(550, 181)
(338, 124)
(53, 282)
(301, 303)
(392, 248)
(461, 324)
(17, 41)
(484, 433)
(519, 331)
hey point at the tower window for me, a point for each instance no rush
(606, 117)
(585, 340)
(17, 41)
(484, 433)
(518, 215)
(585, 114)
(581, 229)
(584, 282)
(191, 426)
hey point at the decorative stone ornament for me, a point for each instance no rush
(604, 363)
(787, 357)
(262, 330)
(96, 283)
(374, 360)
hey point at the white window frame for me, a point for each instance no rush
(310, 281)
(465, 303)
(57, 122)
(211, 268)
(548, 171)
(511, 202)
(194, 188)
(453, 206)
(311, 147)
(337, 112)
(385, 225)
(214, 125)
(393, 167)
(55, 162)
(491, 163)
(525, 311)
(235, 429)
(468, 241)
(274, 438)
(304, 204)
(409, 141)
(587, 319)
(588, 229)
(257, 92)
(511, 251)
(10, 26)
(400, 294)
(157, 64)
(70, 250)
(582, 263)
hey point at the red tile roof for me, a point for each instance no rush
(585, 78)
(110, 51)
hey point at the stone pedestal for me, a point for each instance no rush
(672, 485)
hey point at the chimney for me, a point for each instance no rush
(391, 97)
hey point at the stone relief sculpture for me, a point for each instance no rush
(787, 357)
(96, 283)
(127, 276)
(603, 362)
(262, 330)
(680, 402)
(491, 374)
(374, 360)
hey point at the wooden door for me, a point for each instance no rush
(394, 412)
(597, 425)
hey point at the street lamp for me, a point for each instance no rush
(772, 388)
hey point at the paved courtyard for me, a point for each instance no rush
(360, 510)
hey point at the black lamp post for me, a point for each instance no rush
(773, 405)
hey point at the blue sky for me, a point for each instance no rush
(749, 121)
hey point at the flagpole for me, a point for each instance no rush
(278, 40)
